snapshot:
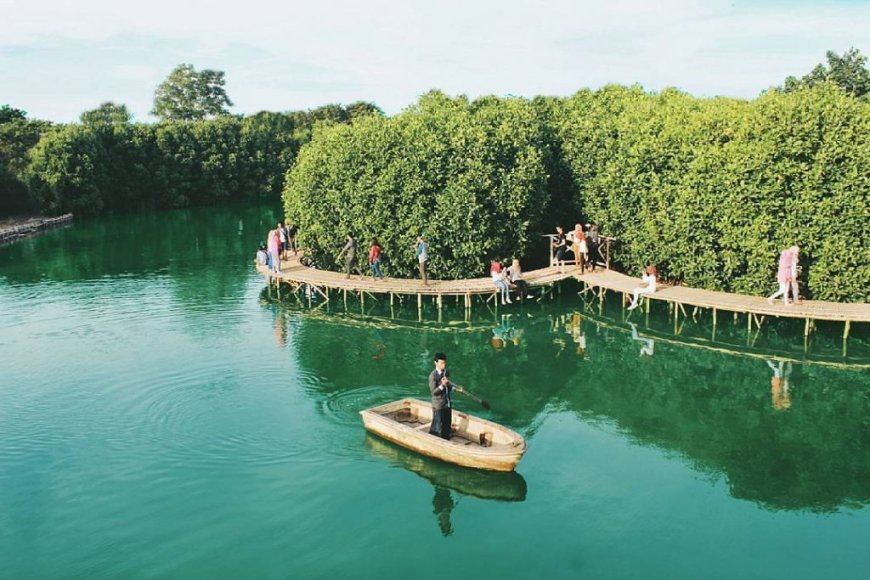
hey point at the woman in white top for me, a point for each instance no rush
(649, 278)
(515, 275)
(498, 279)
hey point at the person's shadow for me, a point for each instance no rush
(447, 479)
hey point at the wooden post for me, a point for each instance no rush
(419, 301)
(749, 321)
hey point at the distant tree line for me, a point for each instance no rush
(197, 154)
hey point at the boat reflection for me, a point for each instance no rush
(490, 485)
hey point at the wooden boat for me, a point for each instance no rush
(475, 443)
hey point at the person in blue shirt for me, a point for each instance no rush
(421, 250)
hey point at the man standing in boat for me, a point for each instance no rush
(441, 387)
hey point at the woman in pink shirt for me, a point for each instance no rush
(786, 275)
(274, 240)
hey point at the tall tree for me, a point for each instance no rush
(8, 114)
(188, 95)
(849, 72)
(107, 114)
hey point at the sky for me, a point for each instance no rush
(59, 58)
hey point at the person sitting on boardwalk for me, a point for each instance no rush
(560, 246)
(349, 251)
(581, 248)
(515, 276)
(274, 241)
(440, 387)
(498, 279)
(375, 260)
(786, 275)
(421, 250)
(648, 280)
(263, 256)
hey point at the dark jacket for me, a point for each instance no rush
(440, 395)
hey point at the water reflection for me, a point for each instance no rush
(447, 479)
(779, 384)
(702, 405)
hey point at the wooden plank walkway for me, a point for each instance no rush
(741, 303)
(601, 280)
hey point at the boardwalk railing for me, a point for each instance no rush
(603, 250)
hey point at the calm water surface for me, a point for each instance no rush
(161, 416)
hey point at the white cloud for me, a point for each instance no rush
(280, 57)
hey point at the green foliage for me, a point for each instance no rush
(471, 175)
(8, 113)
(106, 115)
(17, 135)
(188, 95)
(712, 190)
(849, 72)
(105, 166)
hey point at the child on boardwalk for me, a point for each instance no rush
(375, 260)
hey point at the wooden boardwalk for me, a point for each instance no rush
(756, 308)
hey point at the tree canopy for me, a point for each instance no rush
(849, 72)
(188, 95)
(107, 114)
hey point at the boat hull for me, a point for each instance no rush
(476, 443)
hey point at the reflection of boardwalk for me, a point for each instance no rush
(729, 349)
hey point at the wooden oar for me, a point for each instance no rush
(470, 395)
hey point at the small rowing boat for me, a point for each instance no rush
(475, 443)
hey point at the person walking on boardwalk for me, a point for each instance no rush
(421, 250)
(375, 260)
(560, 245)
(442, 407)
(291, 238)
(786, 275)
(282, 233)
(349, 252)
(594, 241)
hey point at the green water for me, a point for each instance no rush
(161, 416)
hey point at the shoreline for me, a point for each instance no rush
(13, 229)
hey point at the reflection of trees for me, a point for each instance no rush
(203, 252)
(712, 408)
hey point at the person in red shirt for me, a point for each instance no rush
(375, 260)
